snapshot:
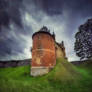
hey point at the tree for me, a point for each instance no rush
(83, 43)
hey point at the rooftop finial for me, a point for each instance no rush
(53, 34)
(44, 28)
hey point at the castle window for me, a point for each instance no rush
(39, 37)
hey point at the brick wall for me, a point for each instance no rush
(43, 51)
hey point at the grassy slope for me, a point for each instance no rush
(63, 78)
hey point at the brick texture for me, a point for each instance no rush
(43, 51)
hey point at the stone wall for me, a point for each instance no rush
(84, 62)
(38, 71)
(60, 51)
(13, 63)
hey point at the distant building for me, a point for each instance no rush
(45, 50)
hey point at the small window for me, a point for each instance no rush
(39, 37)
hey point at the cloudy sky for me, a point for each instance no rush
(19, 19)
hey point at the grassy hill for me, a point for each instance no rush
(65, 77)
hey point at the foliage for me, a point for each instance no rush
(83, 43)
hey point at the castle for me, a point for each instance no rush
(45, 50)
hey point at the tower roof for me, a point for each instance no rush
(45, 30)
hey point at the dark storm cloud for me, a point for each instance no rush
(20, 18)
(74, 11)
(54, 7)
(12, 29)
(9, 12)
(11, 43)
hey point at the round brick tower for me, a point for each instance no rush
(43, 52)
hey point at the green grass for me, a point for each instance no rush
(65, 77)
(64, 71)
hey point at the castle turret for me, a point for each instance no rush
(43, 52)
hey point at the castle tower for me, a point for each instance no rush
(43, 52)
